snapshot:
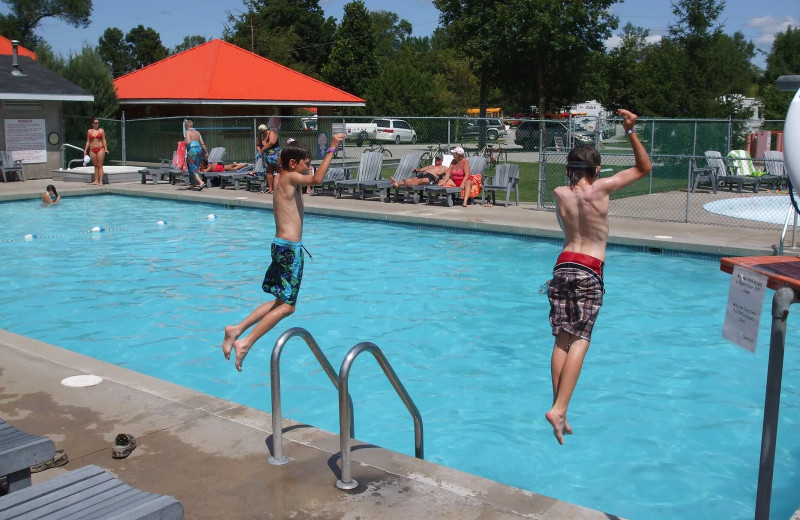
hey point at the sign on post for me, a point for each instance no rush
(745, 301)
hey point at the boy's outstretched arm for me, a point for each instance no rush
(642, 165)
(319, 174)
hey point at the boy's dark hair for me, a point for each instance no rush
(582, 162)
(295, 150)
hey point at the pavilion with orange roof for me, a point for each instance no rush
(217, 78)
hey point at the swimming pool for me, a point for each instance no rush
(667, 415)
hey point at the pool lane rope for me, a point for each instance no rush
(99, 229)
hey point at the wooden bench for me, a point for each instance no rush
(9, 166)
(18, 452)
(88, 492)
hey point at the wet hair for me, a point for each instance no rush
(296, 150)
(582, 162)
(52, 188)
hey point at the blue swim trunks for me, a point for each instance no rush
(284, 274)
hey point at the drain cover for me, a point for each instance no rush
(81, 381)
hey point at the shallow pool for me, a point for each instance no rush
(667, 415)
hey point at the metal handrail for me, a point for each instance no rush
(278, 457)
(346, 413)
(64, 157)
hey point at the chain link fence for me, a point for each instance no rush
(539, 147)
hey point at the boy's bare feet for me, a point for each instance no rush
(559, 422)
(241, 352)
(231, 334)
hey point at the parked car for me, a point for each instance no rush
(358, 132)
(495, 129)
(394, 130)
(527, 134)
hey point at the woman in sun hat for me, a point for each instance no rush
(459, 175)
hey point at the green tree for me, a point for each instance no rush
(294, 33)
(624, 66)
(145, 46)
(784, 58)
(353, 64)
(403, 88)
(391, 30)
(26, 15)
(188, 43)
(115, 51)
(534, 51)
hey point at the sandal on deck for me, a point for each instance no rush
(124, 444)
(59, 459)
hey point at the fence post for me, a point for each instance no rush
(122, 138)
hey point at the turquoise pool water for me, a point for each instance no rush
(667, 414)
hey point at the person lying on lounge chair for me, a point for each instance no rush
(429, 175)
(219, 167)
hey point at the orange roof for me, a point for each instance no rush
(6, 49)
(218, 72)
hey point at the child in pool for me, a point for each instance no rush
(50, 196)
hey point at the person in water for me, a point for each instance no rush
(576, 289)
(50, 196)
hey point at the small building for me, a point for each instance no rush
(218, 78)
(31, 101)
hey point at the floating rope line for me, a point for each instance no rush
(99, 229)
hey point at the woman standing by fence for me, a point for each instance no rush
(96, 148)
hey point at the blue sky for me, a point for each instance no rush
(758, 21)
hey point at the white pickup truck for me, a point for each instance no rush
(360, 132)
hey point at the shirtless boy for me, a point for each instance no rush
(284, 274)
(576, 290)
(429, 175)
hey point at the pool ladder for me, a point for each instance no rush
(341, 382)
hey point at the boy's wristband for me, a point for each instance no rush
(332, 150)
(629, 132)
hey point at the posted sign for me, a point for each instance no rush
(745, 301)
(25, 139)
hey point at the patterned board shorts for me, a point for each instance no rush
(576, 295)
(285, 273)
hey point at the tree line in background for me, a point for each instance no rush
(510, 53)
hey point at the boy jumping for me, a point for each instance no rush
(576, 290)
(284, 274)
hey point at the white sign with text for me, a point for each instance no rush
(25, 139)
(745, 301)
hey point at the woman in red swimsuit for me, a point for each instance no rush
(96, 148)
(460, 175)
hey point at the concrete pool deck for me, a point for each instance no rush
(212, 454)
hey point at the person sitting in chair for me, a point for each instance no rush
(429, 175)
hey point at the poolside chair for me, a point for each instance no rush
(477, 165)
(88, 492)
(165, 171)
(257, 179)
(236, 177)
(413, 194)
(506, 178)
(775, 165)
(722, 174)
(369, 169)
(383, 187)
(18, 452)
(9, 165)
(329, 181)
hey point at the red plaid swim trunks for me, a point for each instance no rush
(576, 294)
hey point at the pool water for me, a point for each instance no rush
(667, 415)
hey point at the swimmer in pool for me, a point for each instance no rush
(50, 196)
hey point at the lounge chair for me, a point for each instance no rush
(741, 166)
(88, 492)
(236, 177)
(329, 181)
(9, 165)
(477, 165)
(369, 169)
(721, 174)
(18, 452)
(383, 187)
(165, 171)
(506, 178)
(414, 193)
(775, 165)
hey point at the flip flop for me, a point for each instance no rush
(59, 459)
(124, 444)
(201, 187)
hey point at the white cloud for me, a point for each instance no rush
(769, 26)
